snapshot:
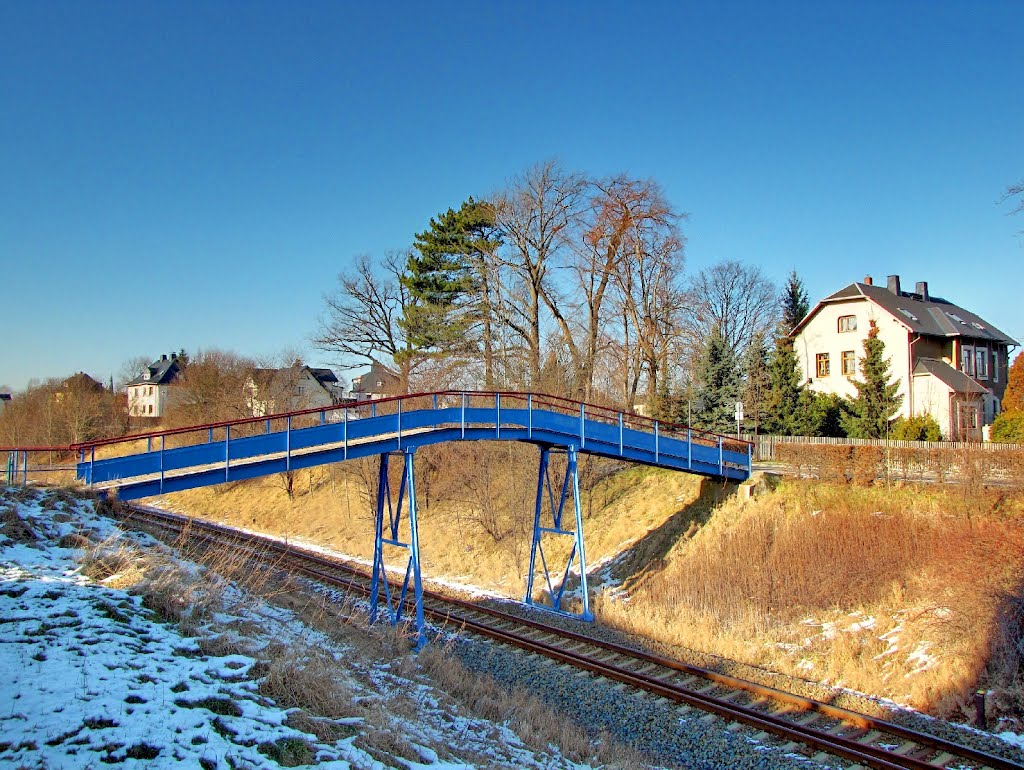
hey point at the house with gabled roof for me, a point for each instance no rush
(378, 382)
(270, 391)
(949, 362)
(150, 392)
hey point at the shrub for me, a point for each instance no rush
(922, 427)
(1008, 428)
(865, 464)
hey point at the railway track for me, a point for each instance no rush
(811, 727)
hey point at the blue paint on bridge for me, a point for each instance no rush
(401, 425)
(541, 420)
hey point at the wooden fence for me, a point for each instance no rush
(764, 446)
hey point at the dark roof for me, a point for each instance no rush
(81, 381)
(267, 377)
(324, 376)
(160, 372)
(956, 379)
(934, 317)
(5, 396)
(377, 373)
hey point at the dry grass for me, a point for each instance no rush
(790, 580)
(937, 567)
(476, 505)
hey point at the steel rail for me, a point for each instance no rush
(850, 748)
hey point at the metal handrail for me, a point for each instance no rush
(570, 406)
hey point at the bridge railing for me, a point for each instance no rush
(286, 421)
(24, 465)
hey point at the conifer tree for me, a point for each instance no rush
(718, 377)
(441, 279)
(756, 384)
(782, 403)
(876, 401)
(794, 303)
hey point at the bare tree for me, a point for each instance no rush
(131, 369)
(739, 299)
(629, 229)
(535, 216)
(362, 317)
(650, 299)
(212, 388)
(1015, 191)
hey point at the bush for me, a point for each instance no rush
(1008, 428)
(923, 427)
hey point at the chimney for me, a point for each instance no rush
(163, 357)
(893, 284)
(868, 281)
(922, 289)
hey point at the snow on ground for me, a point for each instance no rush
(91, 675)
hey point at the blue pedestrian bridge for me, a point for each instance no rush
(196, 456)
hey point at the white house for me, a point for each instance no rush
(149, 393)
(949, 362)
(272, 391)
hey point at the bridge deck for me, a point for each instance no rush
(436, 418)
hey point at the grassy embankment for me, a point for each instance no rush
(911, 592)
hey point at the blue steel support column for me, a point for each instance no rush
(580, 546)
(389, 535)
(542, 474)
(570, 485)
(414, 541)
(383, 493)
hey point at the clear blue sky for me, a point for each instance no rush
(195, 175)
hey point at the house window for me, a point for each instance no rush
(822, 360)
(849, 363)
(967, 361)
(847, 323)
(981, 363)
(151, 409)
(995, 366)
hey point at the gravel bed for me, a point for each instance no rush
(669, 735)
(853, 701)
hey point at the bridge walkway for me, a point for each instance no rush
(197, 456)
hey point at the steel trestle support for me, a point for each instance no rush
(388, 534)
(546, 491)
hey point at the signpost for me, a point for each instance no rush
(739, 417)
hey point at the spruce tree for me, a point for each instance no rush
(794, 303)
(782, 404)
(876, 401)
(756, 385)
(719, 382)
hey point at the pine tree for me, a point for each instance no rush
(876, 401)
(719, 382)
(441, 279)
(794, 303)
